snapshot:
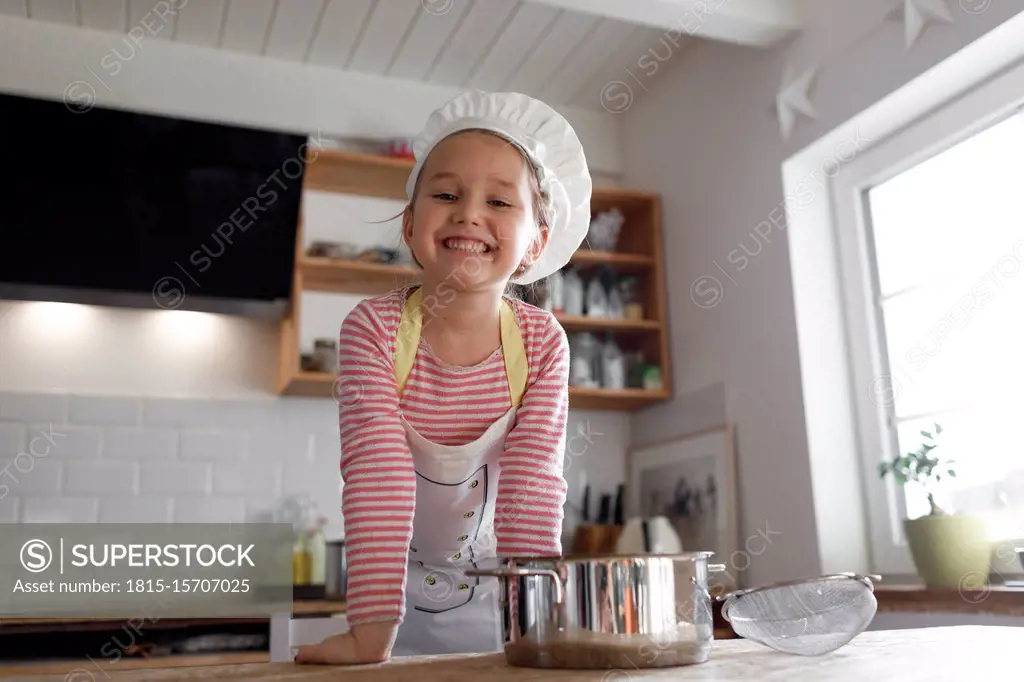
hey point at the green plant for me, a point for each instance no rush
(921, 467)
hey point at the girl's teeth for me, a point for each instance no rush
(466, 245)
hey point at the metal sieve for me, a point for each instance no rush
(807, 617)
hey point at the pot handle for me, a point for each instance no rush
(717, 568)
(518, 572)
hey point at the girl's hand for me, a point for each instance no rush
(368, 643)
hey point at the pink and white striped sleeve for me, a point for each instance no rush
(531, 485)
(379, 495)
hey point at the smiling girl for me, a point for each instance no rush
(455, 396)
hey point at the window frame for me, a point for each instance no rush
(874, 418)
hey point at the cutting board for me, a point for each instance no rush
(948, 654)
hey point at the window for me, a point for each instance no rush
(932, 243)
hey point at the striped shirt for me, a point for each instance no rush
(448, 405)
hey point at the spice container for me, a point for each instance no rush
(300, 561)
(325, 355)
(628, 291)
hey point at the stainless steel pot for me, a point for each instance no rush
(606, 612)
(335, 570)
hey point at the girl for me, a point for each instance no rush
(454, 397)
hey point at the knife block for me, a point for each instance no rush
(591, 539)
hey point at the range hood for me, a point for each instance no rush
(120, 208)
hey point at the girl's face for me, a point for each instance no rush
(472, 223)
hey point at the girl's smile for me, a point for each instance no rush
(472, 221)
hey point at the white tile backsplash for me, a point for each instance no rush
(153, 443)
(13, 438)
(221, 509)
(136, 459)
(33, 407)
(64, 441)
(213, 445)
(128, 509)
(175, 478)
(83, 477)
(177, 412)
(104, 411)
(120, 459)
(24, 474)
(53, 509)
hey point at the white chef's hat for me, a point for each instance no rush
(548, 141)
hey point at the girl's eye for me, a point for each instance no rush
(500, 203)
(444, 196)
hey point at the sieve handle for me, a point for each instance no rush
(717, 568)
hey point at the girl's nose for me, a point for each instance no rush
(468, 212)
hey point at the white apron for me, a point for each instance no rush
(453, 525)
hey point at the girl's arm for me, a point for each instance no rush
(376, 465)
(531, 485)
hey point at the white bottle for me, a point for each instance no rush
(572, 287)
(613, 366)
(597, 299)
(555, 302)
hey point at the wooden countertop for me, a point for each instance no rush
(947, 654)
(999, 600)
(300, 609)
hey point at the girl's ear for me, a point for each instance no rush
(407, 225)
(536, 248)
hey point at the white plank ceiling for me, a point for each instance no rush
(543, 48)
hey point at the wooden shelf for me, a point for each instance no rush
(321, 385)
(626, 400)
(353, 277)
(599, 324)
(624, 262)
(639, 254)
(337, 275)
(350, 172)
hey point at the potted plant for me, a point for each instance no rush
(949, 550)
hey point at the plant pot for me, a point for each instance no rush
(952, 552)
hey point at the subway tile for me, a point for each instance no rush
(237, 478)
(64, 441)
(13, 439)
(310, 414)
(209, 445)
(174, 478)
(249, 415)
(178, 412)
(34, 407)
(105, 410)
(8, 507)
(123, 509)
(280, 446)
(28, 475)
(140, 443)
(99, 478)
(209, 510)
(59, 510)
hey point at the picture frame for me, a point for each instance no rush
(691, 480)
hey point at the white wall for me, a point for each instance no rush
(708, 140)
(185, 401)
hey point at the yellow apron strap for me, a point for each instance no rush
(408, 338)
(411, 324)
(516, 367)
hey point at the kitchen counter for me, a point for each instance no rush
(949, 654)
